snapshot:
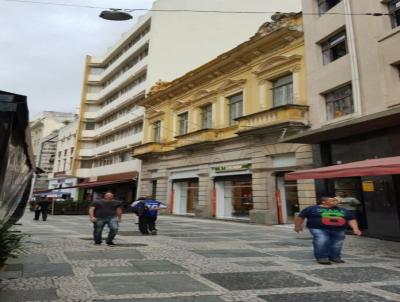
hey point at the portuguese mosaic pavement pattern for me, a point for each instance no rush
(193, 260)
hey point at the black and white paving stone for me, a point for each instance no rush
(193, 260)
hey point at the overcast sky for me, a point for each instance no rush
(42, 48)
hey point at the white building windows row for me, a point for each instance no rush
(115, 116)
(140, 79)
(108, 160)
(132, 62)
(132, 42)
(132, 130)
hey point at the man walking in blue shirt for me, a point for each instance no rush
(147, 210)
(327, 224)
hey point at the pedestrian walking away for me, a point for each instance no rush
(146, 208)
(106, 211)
(41, 206)
(327, 224)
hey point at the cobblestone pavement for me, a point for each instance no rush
(193, 260)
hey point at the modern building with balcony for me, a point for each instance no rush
(211, 137)
(353, 82)
(161, 46)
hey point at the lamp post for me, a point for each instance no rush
(114, 14)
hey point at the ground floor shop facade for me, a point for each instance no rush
(379, 213)
(240, 179)
(379, 195)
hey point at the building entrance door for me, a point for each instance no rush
(234, 197)
(381, 198)
(186, 196)
(287, 199)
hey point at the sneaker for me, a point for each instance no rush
(111, 243)
(153, 232)
(336, 260)
(97, 243)
(324, 261)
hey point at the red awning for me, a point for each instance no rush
(369, 167)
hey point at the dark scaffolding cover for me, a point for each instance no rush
(16, 159)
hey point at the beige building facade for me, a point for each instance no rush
(211, 137)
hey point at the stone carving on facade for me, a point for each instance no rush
(158, 86)
(279, 20)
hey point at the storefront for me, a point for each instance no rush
(186, 196)
(184, 191)
(375, 183)
(233, 197)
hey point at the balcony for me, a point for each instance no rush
(118, 83)
(262, 120)
(112, 146)
(150, 148)
(89, 115)
(197, 137)
(132, 94)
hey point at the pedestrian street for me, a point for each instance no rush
(195, 260)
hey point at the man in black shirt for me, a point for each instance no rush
(105, 211)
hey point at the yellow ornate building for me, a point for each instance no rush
(212, 137)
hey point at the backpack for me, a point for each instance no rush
(139, 208)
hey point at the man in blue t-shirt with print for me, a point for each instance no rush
(327, 224)
(147, 210)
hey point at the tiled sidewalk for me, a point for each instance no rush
(193, 260)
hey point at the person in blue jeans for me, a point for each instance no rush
(327, 224)
(106, 211)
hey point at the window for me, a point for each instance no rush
(206, 116)
(157, 131)
(123, 157)
(65, 152)
(72, 150)
(89, 126)
(334, 48)
(325, 5)
(394, 11)
(235, 103)
(282, 91)
(339, 102)
(183, 119)
(397, 68)
(154, 189)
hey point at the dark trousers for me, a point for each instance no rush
(146, 224)
(98, 227)
(43, 211)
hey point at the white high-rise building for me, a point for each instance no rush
(161, 46)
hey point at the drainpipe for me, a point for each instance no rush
(355, 75)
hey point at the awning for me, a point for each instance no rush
(369, 167)
(88, 184)
(92, 184)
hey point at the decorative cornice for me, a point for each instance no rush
(274, 62)
(229, 84)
